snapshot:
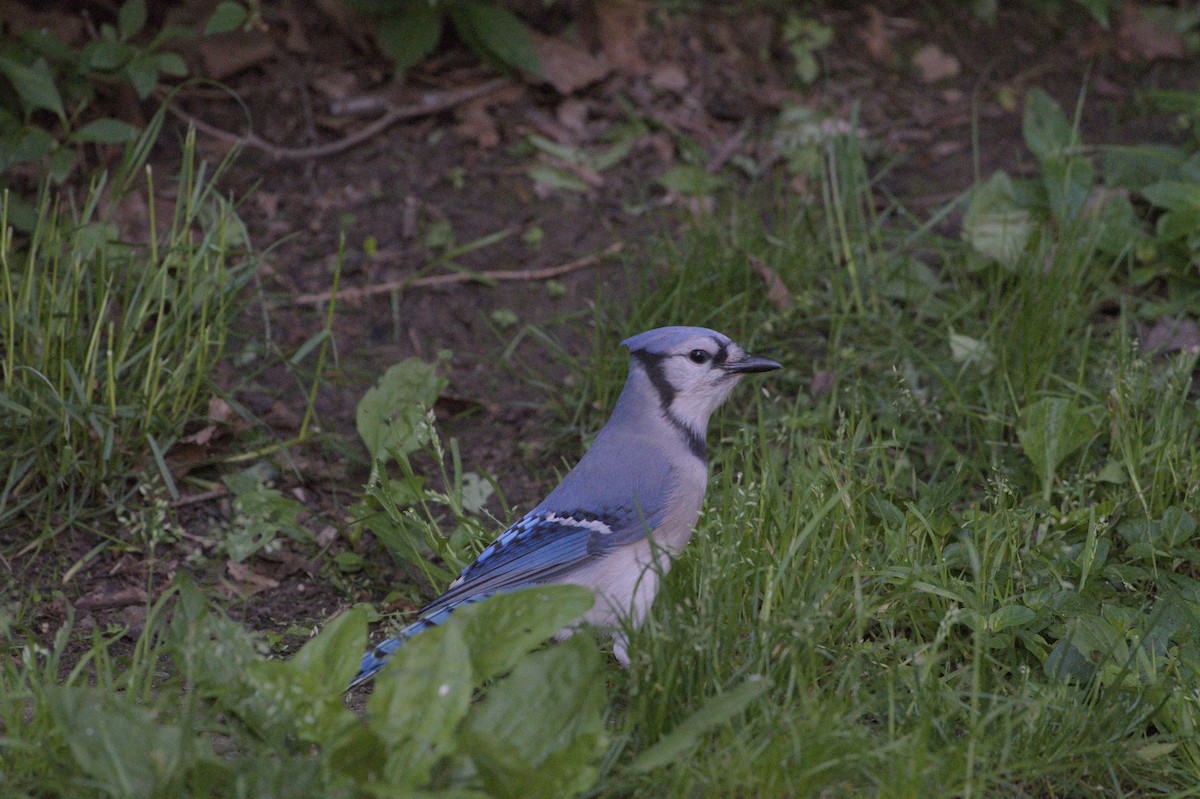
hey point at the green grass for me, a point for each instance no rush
(107, 348)
(971, 568)
(940, 609)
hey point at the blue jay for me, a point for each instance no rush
(628, 507)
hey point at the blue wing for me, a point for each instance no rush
(539, 548)
(613, 496)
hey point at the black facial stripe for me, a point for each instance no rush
(695, 441)
(722, 354)
(653, 364)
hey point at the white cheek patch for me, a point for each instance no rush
(694, 405)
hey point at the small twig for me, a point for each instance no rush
(203, 497)
(461, 277)
(430, 103)
(117, 599)
(726, 151)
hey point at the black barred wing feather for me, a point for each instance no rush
(539, 548)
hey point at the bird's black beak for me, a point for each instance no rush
(751, 363)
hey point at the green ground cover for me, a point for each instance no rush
(951, 549)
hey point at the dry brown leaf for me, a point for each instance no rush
(249, 581)
(267, 202)
(573, 115)
(1139, 37)
(185, 456)
(476, 122)
(202, 436)
(935, 64)
(944, 149)
(134, 619)
(875, 37)
(226, 54)
(220, 411)
(326, 535)
(669, 77)
(777, 290)
(336, 84)
(615, 27)
(281, 416)
(567, 66)
(1168, 336)
(823, 382)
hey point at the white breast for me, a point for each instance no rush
(627, 579)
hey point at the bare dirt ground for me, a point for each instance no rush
(925, 81)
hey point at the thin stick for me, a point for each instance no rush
(430, 103)
(349, 294)
(202, 497)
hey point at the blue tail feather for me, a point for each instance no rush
(377, 658)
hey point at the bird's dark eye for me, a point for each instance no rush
(699, 356)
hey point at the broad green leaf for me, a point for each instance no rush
(1146, 537)
(143, 74)
(539, 733)
(475, 492)
(420, 697)
(334, 655)
(170, 64)
(24, 144)
(45, 42)
(227, 17)
(1086, 642)
(1174, 195)
(496, 34)
(34, 85)
(1010, 616)
(1138, 166)
(1153, 751)
(105, 55)
(995, 225)
(558, 178)
(1047, 131)
(301, 697)
(118, 743)
(680, 741)
(1119, 229)
(1068, 183)
(692, 180)
(972, 352)
(1125, 573)
(563, 152)
(505, 627)
(131, 18)
(410, 34)
(1178, 526)
(106, 131)
(1051, 429)
(1184, 223)
(61, 163)
(391, 415)
(606, 159)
